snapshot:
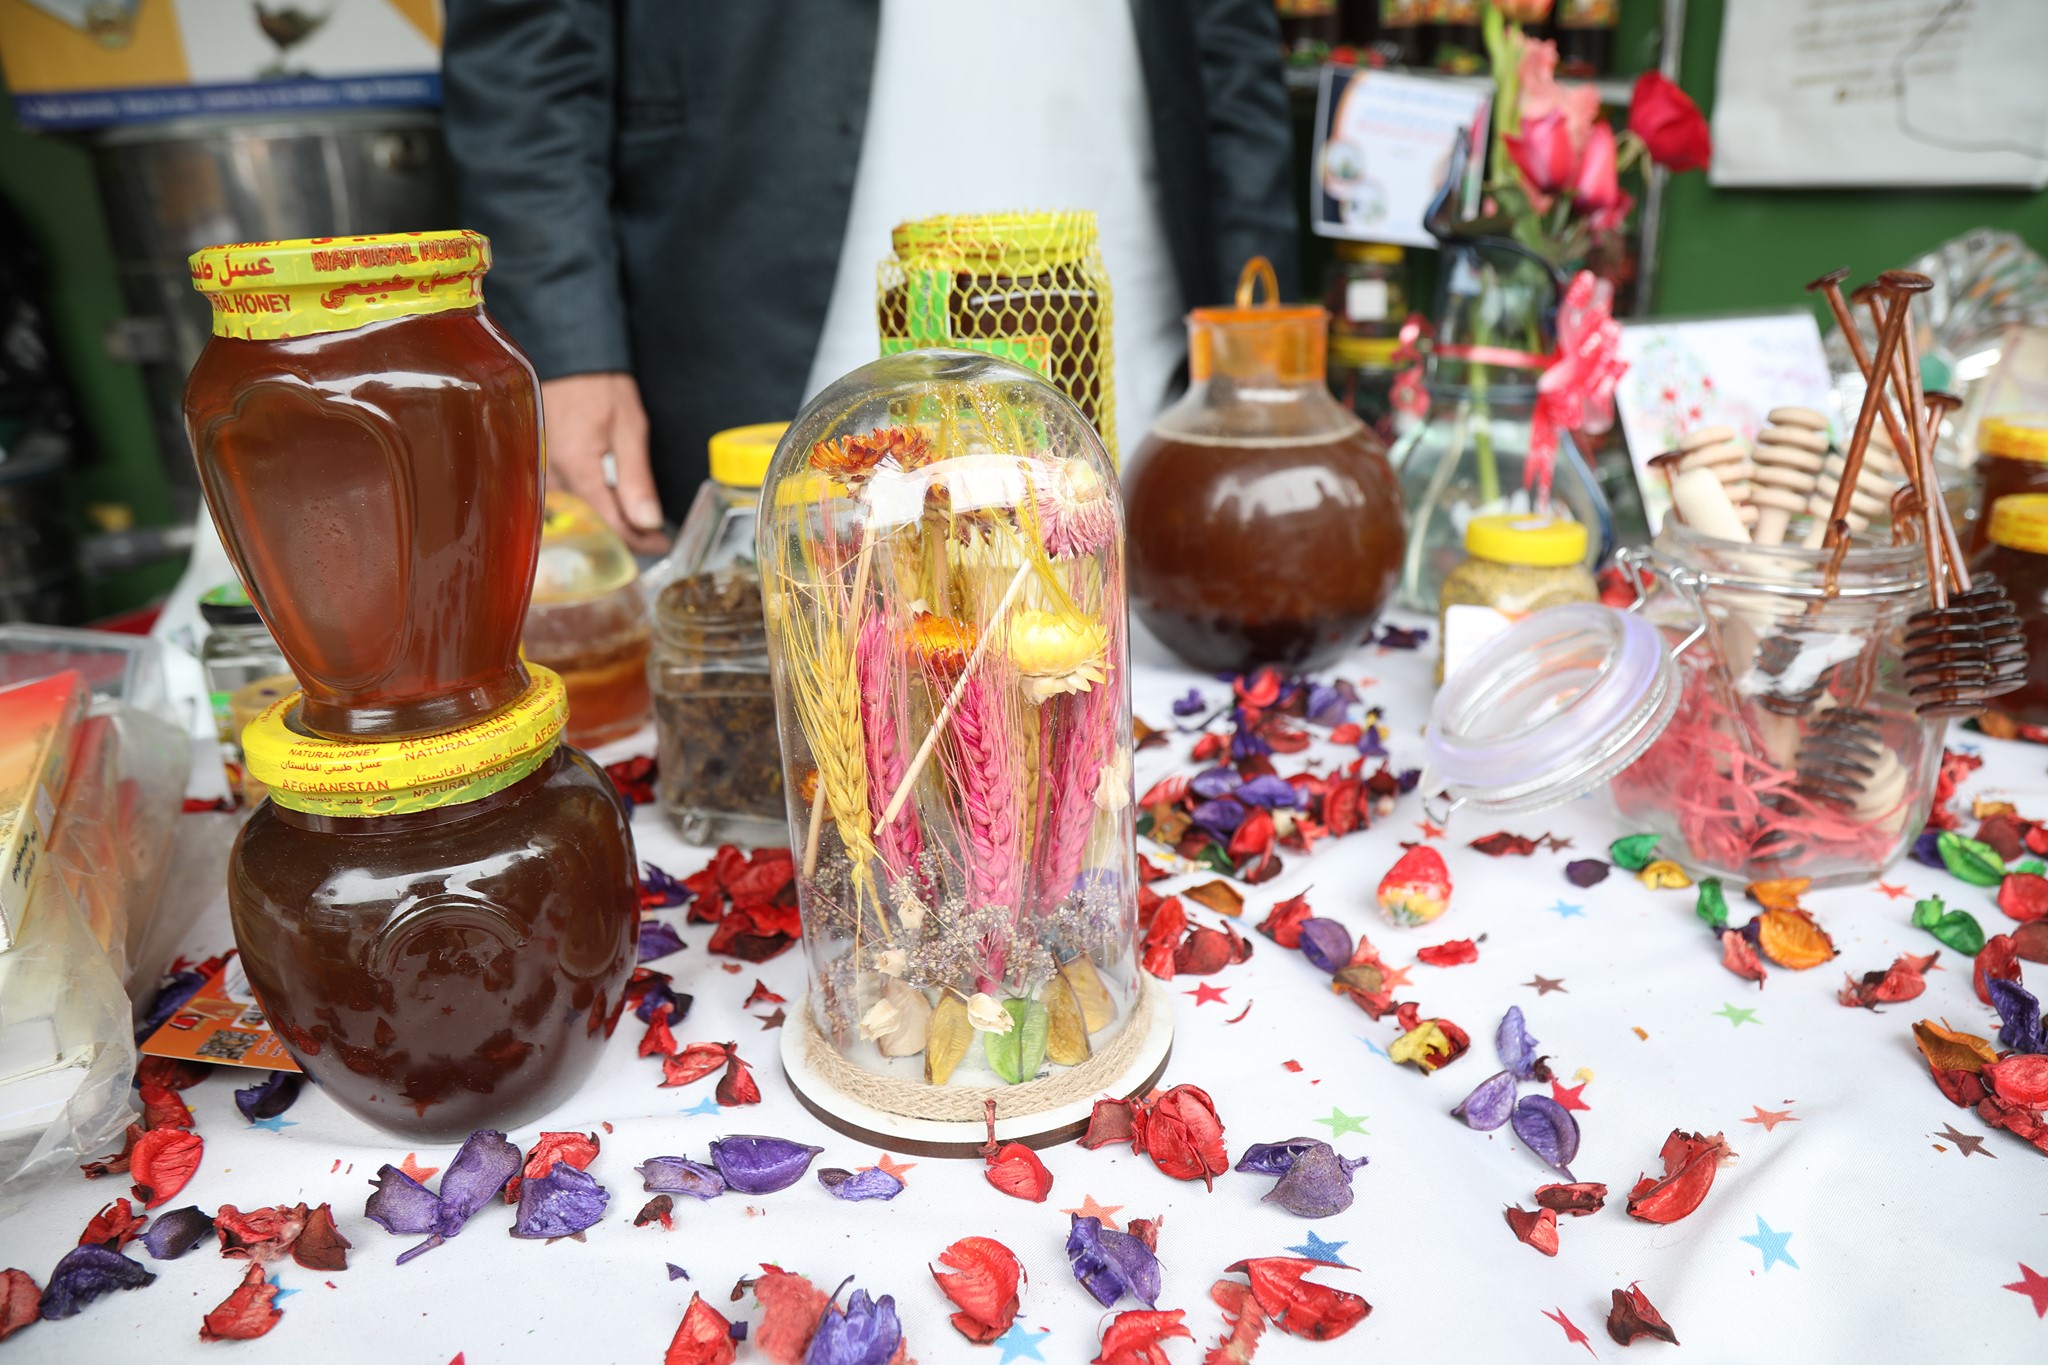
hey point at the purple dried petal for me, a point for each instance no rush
(659, 994)
(1927, 849)
(1327, 706)
(761, 1165)
(1219, 817)
(1371, 744)
(1402, 637)
(1489, 1104)
(474, 1178)
(1273, 1158)
(659, 891)
(676, 1272)
(561, 1203)
(658, 938)
(1408, 779)
(1247, 743)
(1548, 1129)
(1317, 1184)
(867, 1332)
(1583, 872)
(1111, 1264)
(853, 1186)
(2019, 1015)
(1269, 791)
(679, 1175)
(177, 988)
(1516, 1048)
(1211, 783)
(436, 1240)
(1326, 943)
(84, 1274)
(177, 1232)
(268, 1099)
(1190, 705)
(401, 1204)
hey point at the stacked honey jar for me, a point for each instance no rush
(437, 904)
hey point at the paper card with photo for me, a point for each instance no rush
(1383, 145)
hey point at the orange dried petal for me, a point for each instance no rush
(1791, 939)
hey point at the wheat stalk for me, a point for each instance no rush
(900, 841)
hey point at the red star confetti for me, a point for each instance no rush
(1572, 1333)
(1568, 1095)
(1891, 892)
(1206, 994)
(891, 1165)
(1770, 1118)
(1090, 1209)
(412, 1167)
(2034, 1286)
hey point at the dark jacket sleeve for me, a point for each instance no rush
(1250, 138)
(527, 86)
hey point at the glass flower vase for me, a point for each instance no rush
(941, 553)
(1471, 456)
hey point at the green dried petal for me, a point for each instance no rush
(1712, 906)
(1634, 852)
(1974, 862)
(1957, 929)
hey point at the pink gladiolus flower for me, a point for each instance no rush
(1541, 94)
(1596, 186)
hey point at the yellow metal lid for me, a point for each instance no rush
(740, 455)
(1540, 542)
(359, 779)
(264, 291)
(2019, 521)
(1002, 242)
(1379, 253)
(2016, 436)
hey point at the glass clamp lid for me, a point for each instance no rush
(1552, 707)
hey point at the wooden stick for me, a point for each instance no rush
(931, 739)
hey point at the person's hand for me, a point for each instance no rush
(588, 417)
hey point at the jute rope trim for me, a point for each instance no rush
(917, 1100)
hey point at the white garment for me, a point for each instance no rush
(988, 106)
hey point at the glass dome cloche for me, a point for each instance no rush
(941, 553)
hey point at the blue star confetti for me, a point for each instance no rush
(1772, 1244)
(1316, 1249)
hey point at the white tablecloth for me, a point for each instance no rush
(1853, 1227)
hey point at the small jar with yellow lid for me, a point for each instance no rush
(1366, 292)
(714, 707)
(2012, 457)
(1514, 565)
(588, 621)
(440, 929)
(2016, 552)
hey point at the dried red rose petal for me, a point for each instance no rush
(1162, 937)
(1538, 1229)
(1283, 922)
(755, 933)
(1297, 1307)
(1109, 1121)
(1016, 1170)
(703, 1337)
(1963, 1088)
(1182, 1134)
(1739, 957)
(578, 1149)
(2024, 896)
(1574, 1200)
(1505, 845)
(983, 1287)
(162, 1107)
(20, 1301)
(2020, 1079)
(1455, 953)
(659, 1040)
(790, 1308)
(1995, 959)
(1133, 1338)
(161, 1162)
(1633, 1315)
(1902, 981)
(2022, 1123)
(737, 1086)
(1690, 1161)
(246, 1314)
(321, 1246)
(693, 1063)
(263, 1235)
(2030, 941)
(114, 1226)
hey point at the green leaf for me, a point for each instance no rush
(1017, 1055)
(1957, 929)
(1712, 905)
(1634, 852)
(1145, 823)
(1973, 862)
(1216, 858)
(2033, 865)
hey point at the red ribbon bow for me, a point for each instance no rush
(1576, 393)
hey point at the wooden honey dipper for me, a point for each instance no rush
(1720, 451)
(1790, 458)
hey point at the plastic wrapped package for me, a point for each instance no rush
(67, 1053)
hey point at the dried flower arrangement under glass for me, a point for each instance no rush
(941, 546)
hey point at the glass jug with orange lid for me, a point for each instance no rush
(370, 445)
(1265, 522)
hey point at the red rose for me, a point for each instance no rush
(1597, 187)
(1670, 124)
(1544, 153)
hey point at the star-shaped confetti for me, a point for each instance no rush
(1556, 843)
(1316, 1249)
(1544, 985)
(1736, 1018)
(885, 1162)
(707, 1105)
(1968, 1144)
(1391, 977)
(2034, 1286)
(1891, 892)
(1206, 994)
(1430, 829)
(1018, 1344)
(1568, 1095)
(1771, 1243)
(772, 1021)
(282, 1293)
(1377, 1049)
(1090, 1209)
(1770, 1118)
(1566, 910)
(1572, 1333)
(274, 1125)
(412, 1167)
(1339, 1123)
